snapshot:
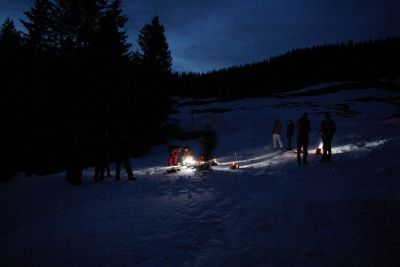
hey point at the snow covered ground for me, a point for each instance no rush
(270, 212)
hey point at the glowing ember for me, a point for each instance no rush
(234, 166)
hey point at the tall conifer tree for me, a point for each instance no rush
(155, 54)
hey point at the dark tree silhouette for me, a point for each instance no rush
(76, 23)
(152, 63)
(40, 38)
(111, 33)
(72, 77)
(40, 45)
(10, 40)
(11, 75)
(155, 54)
(10, 56)
(367, 62)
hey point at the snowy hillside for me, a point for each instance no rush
(270, 212)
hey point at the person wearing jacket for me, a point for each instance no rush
(173, 154)
(121, 150)
(170, 158)
(276, 134)
(209, 142)
(327, 130)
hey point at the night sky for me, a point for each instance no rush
(209, 34)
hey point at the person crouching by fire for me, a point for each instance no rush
(173, 154)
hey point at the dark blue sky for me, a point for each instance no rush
(211, 34)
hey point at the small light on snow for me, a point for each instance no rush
(234, 166)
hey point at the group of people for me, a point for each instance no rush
(276, 134)
(302, 127)
(175, 151)
(117, 150)
(209, 140)
(101, 152)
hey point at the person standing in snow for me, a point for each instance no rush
(289, 133)
(173, 154)
(276, 135)
(302, 129)
(209, 142)
(170, 151)
(327, 130)
(122, 157)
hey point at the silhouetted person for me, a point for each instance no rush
(328, 129)
(122, 157)
(75, 164)
(303, 130)
(289, 133)
(276, 134)
(209, 142)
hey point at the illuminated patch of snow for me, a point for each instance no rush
(375, 143)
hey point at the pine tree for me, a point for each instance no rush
(91, 27)
(10, 53)
(111, 36)
(155, 54)
(66, 18)
(10, 48)
(10, 38)
(10, 93)
(76, 22)
(40, 36)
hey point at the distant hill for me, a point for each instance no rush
(368, 61)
